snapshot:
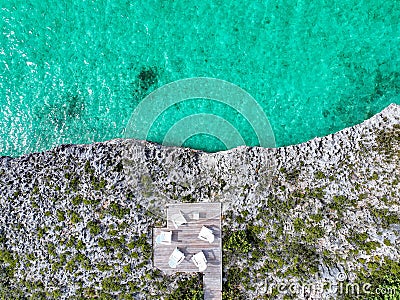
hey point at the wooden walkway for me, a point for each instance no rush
(186, 239)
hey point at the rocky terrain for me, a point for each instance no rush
(317, 220)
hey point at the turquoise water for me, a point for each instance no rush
(73, 71)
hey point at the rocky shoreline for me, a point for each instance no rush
(76, 220)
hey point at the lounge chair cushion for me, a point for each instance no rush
(176, 258)
(206, 234)
(200, 261)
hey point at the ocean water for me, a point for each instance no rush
(74, 71)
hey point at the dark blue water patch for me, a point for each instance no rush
(144, 82)
(74, 105)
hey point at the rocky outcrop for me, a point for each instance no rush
(76, 220)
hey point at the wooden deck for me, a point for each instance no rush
(186, 239)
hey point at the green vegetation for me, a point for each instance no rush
(77, 200)
(380, 277)
(144, 246)
(189, 199)
(384, 217)
(316, 217)
(301, 258)
(374, 176)
(104, 267)
(71, 242)
(60, 215)
(80, 245)
(30, 256)
(389, 283)
(316, 193)
(290, 175)
(313, 233)
(113, 232)
(51, 249)
(8, 289)
(117, 210)
(88, 168)
(97, 183)
(119, 167)
(340, 202)
(232, 287)
(41, 231)
(298, 224)
(35, 190)
(92, 202)
(239, 241)
(121, 226)
(386, 140)
(111, 284)
(93, 227)
(359, 241)
(387, 242)
(131, 245)
(127, 268)
(74, 217)
(8, 262)
(113, 243)
(73, 181)
(190, 289)
(319, 175)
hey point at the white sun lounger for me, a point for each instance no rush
(200, 261)
(164, 238)
(206, 234)
(176, 258)
(178, 219)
